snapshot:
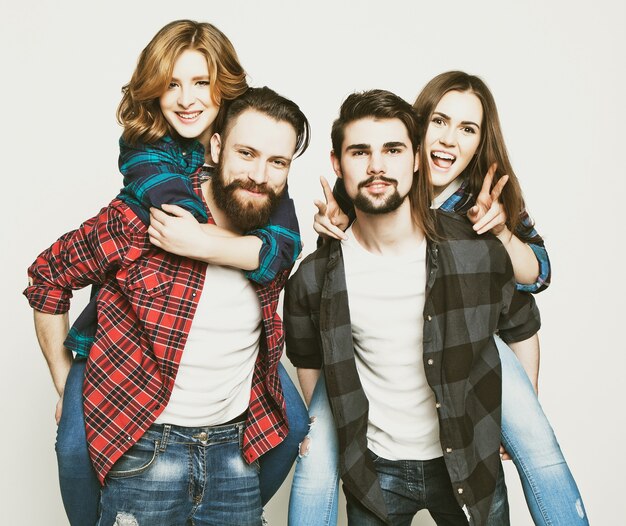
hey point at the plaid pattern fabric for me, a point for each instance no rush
(159, 173)
(470, 294)
(460, 202)
(145, 308)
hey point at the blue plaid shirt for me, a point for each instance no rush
(160, 173)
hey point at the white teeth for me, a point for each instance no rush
(443, 155)
(188, 116)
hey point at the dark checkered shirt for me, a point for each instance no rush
(470, 294)
(145, 308)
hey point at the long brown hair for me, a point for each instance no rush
(491, 149)
(139, 111)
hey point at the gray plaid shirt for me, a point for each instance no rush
(470, 295)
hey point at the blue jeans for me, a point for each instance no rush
(409, 486)
(80, 488)
(549, 487)
(183, 475)
(315, 486)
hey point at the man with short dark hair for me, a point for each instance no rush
(401, 316)
(178, 434)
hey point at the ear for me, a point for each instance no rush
(216, 147)
(416, 162)
(336, 164)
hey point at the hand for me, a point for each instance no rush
(178, 232)
(330, 221)
(58, 410)
(504, 454)
(488, 213)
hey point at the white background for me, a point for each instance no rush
(557, 72)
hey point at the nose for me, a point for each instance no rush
(185, 97)
(376, 164)
(258, 173)
(448, 136)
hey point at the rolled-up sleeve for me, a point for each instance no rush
(79, 258)
(301, 332)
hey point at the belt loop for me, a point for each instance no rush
(165, 437)
(240, 427)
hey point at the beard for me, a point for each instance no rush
(366, 204)
(246, 215)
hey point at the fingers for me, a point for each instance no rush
(474, 214)
(322, 207)
(495, 223)
(486, 188)
(504, 455)
(497, 190)
(154, 235)
(175, 210)
(328, 192)
(324, 227)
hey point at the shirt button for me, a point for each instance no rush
(193, 294)
(129, 437)
(430, 361)
(460, 491)
(437, 405)
(448, 450)
(184, 153)
(429, 317)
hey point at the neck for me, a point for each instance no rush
(393, 233)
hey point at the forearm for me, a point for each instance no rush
(523, 259)
(527, 352)
(51, 331)
(308, 379)
(226, 248)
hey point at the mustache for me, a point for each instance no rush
(375, 178)
(247, 184)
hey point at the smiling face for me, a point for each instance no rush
(377, 164)
(252, 162)
(453, 136)
(186, 104)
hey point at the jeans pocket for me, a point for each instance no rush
(136, 460)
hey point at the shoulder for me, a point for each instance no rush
(310, 274)
(460, 243)
(166, 151)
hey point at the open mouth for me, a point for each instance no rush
(188, 116)
(442, 159)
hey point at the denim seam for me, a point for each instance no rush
(528, 474)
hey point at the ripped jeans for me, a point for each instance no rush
(183, 475)
(550, 489)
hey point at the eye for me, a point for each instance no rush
(203, 83)
(172, 85)
(280, 163)
(394, 151)
(358, 153)
(438, 121)
(245, 153)
(469, 129)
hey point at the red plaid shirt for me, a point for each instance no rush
(145, 309)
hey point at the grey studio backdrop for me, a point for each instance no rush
(557, 72)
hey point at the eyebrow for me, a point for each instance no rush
(199, 77)
(387, 145)
(441, 114)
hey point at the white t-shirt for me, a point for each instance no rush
(215, 373)
(386, 295)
